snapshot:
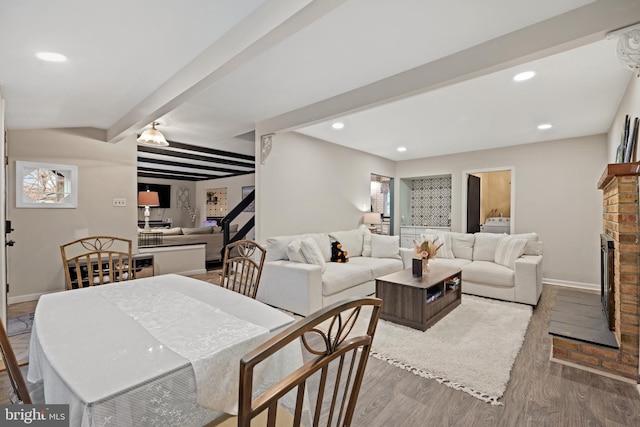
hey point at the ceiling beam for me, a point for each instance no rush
(190, 156)
(572, 29)
(271, 23)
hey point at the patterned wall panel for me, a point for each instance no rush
(217, 202)
(431, 201)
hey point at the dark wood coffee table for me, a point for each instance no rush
(419, 302)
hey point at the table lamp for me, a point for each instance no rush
(147, 199)
(372, 218)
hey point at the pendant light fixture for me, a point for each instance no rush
(153, 137)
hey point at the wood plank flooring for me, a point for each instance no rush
(540, 393)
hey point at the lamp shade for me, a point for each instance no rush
(153, 137)
(372, 218)
(148, 198)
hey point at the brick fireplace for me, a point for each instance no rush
(620, 185)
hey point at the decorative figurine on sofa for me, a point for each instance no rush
(337, 254)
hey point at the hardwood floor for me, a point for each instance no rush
(540, 393)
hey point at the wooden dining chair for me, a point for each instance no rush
(326, 386)
(19, 386)
(242, 267)
(96, 260)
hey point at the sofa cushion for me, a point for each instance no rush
(533, 246)
(484, 247)
(509, 250)
(488, 272)
(351, 241)
(338, 276)
(175, 231)
(385, 246)
(312, 252)
(198, 230)
(378, 266)
(462, 245)
(294, 251)
(453, 262)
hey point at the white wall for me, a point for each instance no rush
(309, 185)
(556, 196)
(105, 171)
(234, 196)
(630, 105)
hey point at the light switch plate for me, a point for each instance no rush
(119, 202)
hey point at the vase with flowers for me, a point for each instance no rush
(426, 250)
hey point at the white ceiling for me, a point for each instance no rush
(432, 76)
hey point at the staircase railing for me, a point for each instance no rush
(226, 222)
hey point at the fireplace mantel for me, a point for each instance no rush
(618, 169)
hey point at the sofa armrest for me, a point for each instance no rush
(528, 279)
(292, 286)
(407, 256)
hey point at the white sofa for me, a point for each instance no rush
(297, 278)
(501, 266)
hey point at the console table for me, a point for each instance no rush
(419, 302)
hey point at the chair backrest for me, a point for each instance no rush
(96, 260)
(242, 267)
(329, 379)
(13, 368)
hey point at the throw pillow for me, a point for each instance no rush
(385, 246)
(533, 246)
(294, 251)
(323, 241)
(351, 241)
(366, 244)
(277, 247)
(312, 253)
(484, 248)
(508, 250)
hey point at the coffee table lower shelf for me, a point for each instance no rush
(405, 297)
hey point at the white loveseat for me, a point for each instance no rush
(298, 275)
(501, 266)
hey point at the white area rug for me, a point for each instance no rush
(471, 349)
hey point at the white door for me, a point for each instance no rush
(3, 216)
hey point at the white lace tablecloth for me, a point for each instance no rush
(156, 351)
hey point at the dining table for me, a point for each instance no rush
(162, 350)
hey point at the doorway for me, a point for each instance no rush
(382, 201)
(488, 193)
(3, 218)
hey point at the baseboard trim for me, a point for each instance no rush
(569, 284)
(26, 298)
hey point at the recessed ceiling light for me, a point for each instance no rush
(545, 126)
(51, 56)
(337, 125)
(525, 75)
(401, 149)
